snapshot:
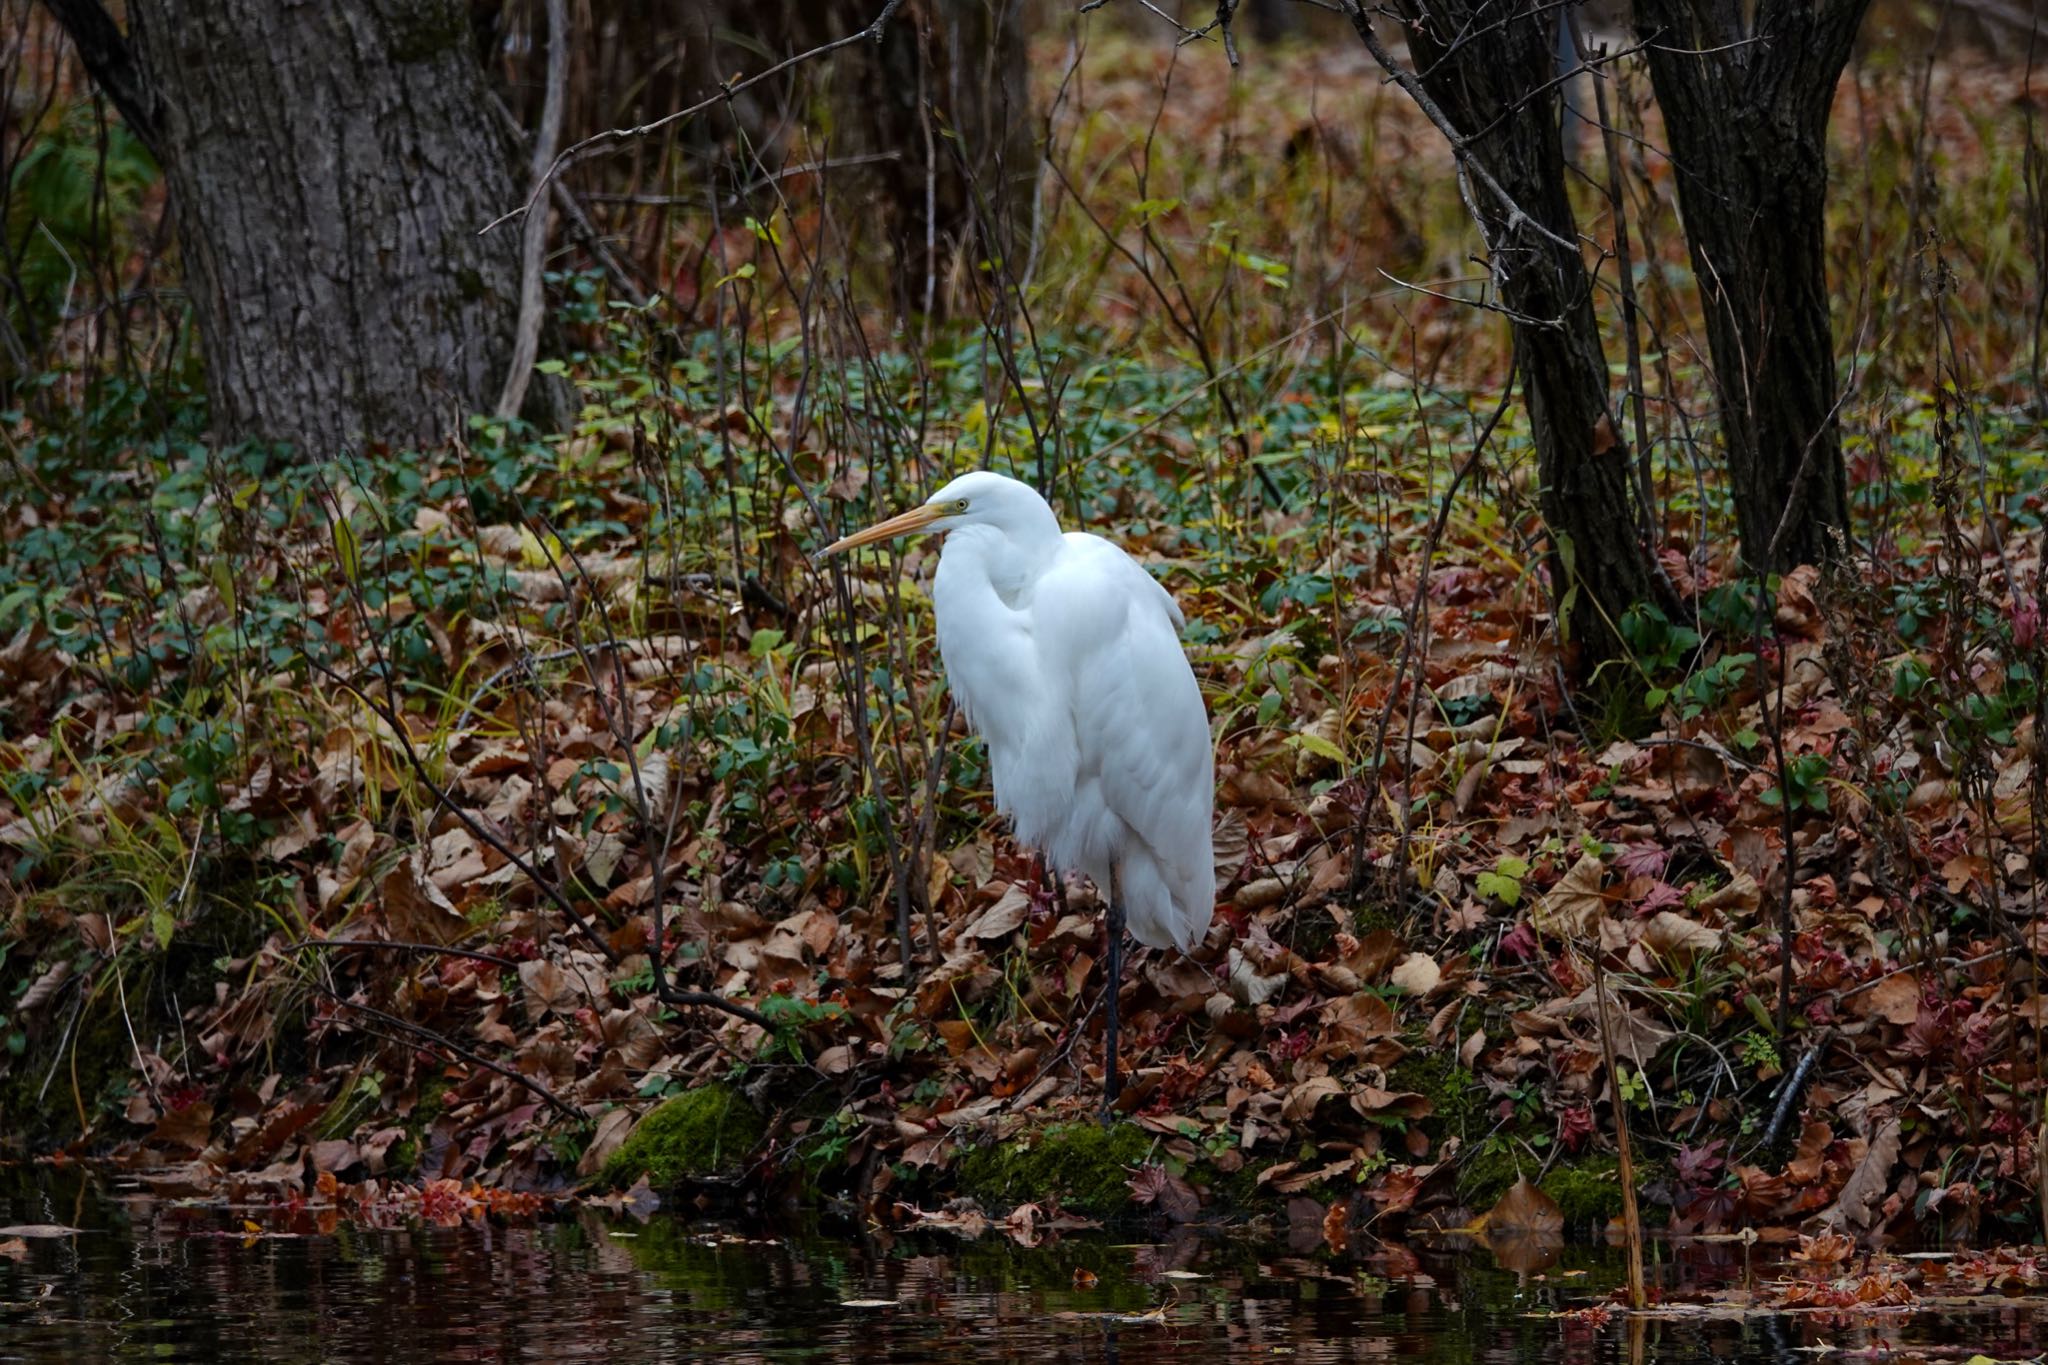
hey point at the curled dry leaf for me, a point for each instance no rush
(415, 908)
(1572, 908)
(1669, 932)
(44, 989)
(1003, 918)
(1247, 984)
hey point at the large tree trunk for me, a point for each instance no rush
(1745, 109)
(330, 162)
(1492, 75)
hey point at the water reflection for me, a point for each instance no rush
(153, 1280)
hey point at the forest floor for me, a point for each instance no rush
(280, 737)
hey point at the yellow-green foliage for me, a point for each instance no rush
(1087, 1167)
(710, 1130)
(1586, 1191)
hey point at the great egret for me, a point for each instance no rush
(1064, 654)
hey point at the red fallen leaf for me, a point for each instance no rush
(1337, 1227)
(1084, 1278)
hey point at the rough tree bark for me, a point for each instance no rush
(1491, 72)
(329, 165)
(1745, 102)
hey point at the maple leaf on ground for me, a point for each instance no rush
(1172, 1196)
(1830, 1248)
(1642, 860)
(1701, 1165)
(1662, 895)
(1575, 1126)
(1517, 944)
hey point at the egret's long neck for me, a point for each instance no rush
(1010, 558)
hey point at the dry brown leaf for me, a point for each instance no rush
(1003, 918)
(1895, 1000)
(1669, 932)
(1415, 974)
(1738, 899)
(1572, 908)
(1302, 1101)
(1862, 1198)
(549, 989)
(1372, 1102)
(612, 1128)
(44, 989)
(415, 908)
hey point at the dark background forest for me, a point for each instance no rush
(1599, 451)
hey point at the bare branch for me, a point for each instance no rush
(533, 245)
(612, 137)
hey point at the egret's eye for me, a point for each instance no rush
(959, 505)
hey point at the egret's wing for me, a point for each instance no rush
(999, 680)
(1108, 642)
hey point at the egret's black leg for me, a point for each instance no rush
(1112, 1079)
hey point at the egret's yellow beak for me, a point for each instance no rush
(916, 519)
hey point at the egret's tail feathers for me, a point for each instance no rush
(1160, 913)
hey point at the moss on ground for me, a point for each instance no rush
(1587, 1189)
(1453, 1092)
(1365, 919)
(1086, 1166)
(707, 1131)
(1485, 1172)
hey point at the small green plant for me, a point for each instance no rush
(1805, 778)
(792, 1016)
(1504, 883)
(1758, 1050)
(1633, 1089)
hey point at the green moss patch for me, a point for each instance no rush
(1453, 1092)
(708, 1131)
(1087, 1167)
(1587, 1189)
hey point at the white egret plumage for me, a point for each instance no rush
(1065, 656)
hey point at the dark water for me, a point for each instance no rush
(151, 1280)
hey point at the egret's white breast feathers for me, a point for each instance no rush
(1065, 655)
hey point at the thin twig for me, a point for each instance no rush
(612, 137)
(438, 1040)
(395, 945)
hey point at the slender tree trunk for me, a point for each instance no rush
(935, 123)
(1745, 110)
(330, 164)
(1492, 74)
